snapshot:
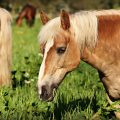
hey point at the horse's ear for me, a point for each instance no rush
(65, 20)
(44, 17)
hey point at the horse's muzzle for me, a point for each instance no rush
(47, 94)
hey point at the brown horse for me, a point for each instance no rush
(28, 12)
(91, 36)
(5, 47)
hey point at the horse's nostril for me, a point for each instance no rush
(43, 89)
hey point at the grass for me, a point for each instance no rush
(79, 97)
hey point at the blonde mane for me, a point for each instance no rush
(5, 47)
(84, 25)
(49, 30)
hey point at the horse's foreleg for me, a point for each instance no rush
(102, 78)
(117, 114)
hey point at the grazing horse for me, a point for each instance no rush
(5, 47)
(91, 36)
(28, 12)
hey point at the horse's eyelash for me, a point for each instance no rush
(43, 51)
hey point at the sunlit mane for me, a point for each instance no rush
(84, 25)
(49, 30)
(3, 12)
(5, 47)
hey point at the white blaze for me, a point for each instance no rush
(49, 44)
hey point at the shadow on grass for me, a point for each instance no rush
(61, 107)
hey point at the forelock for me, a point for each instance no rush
(49, 30)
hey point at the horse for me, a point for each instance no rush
(5, 47)
(90, 36)
(28, 12)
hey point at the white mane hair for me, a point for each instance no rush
(49, 30)
(5, 47)
(84, 25)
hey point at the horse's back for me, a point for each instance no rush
(109, 31)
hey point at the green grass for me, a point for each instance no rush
(79, 97)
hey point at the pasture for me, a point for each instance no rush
(79, 97)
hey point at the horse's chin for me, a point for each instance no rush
(49, 99)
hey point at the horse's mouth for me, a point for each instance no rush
(47, 98)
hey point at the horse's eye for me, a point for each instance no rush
(61, 50)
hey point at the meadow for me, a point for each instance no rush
(79, 97)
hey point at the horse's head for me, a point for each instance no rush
(61, 53)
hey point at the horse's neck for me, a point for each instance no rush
(106, 54)
(91, 58)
